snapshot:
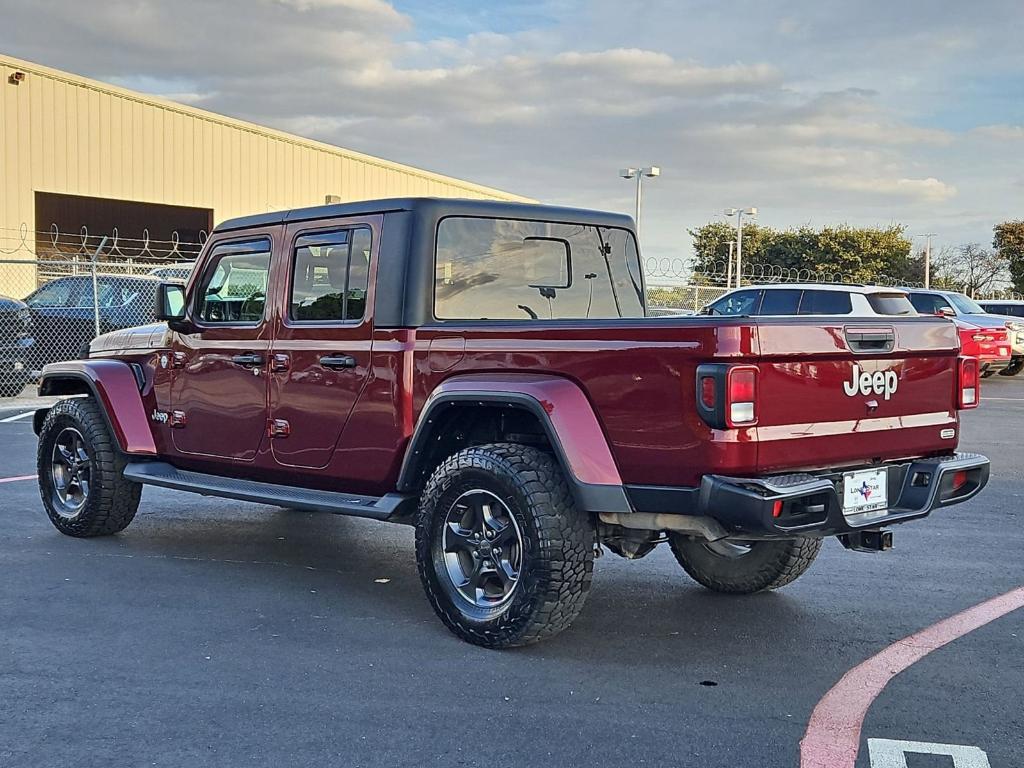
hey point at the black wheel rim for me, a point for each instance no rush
(482, 549)
(70, 473)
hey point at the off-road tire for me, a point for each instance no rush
(557, 551)
(112, 501)
(1013, 368)
(767, 565)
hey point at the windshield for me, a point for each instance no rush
(965, 304)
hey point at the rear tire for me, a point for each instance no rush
(743, 569)
(504, 555)
(988, 373)
(81, 480)
(1013, 368)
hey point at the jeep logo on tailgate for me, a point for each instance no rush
(867, 383)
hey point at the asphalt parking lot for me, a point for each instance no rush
(216, 633)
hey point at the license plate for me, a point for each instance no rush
(865, 491)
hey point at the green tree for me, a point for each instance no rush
(843, 252)
(1009, 244)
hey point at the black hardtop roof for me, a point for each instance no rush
(436, 208)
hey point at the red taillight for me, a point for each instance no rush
(741, 396)
(970, 392)
(707, 392)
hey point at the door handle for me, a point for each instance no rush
(338, 361)
(247, 359)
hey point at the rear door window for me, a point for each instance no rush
(825, 303)
(891, 304)
(782, 302)
(330, 276)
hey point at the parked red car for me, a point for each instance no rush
(487, 372)
(990, 344)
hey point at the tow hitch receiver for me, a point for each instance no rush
(867, 541)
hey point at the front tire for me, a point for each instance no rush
(744, 568)
(504, 555)
(80, 470)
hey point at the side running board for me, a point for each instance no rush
(164, 475)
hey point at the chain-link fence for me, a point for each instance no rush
(58, 291)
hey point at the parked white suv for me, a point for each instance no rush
(813, 299)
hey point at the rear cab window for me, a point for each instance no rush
(516, 269)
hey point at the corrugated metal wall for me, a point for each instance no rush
(66, 134)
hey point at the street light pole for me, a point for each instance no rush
(728, 268)
(739, 213)
(638, 173)
(927, 257)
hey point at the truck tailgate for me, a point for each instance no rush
(843, 393)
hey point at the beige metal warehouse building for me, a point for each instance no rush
(79, 153)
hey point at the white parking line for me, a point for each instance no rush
(889, 753)
(21, 416)
(1005, 399)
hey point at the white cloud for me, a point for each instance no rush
(377, 10)
(824, 115)
(1001, 132)
(929, 190)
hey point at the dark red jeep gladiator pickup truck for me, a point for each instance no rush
(486, 372)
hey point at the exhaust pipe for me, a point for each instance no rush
(704, 527)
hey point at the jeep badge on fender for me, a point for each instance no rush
(878, 383)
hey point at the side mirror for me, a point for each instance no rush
(945, 312)
(170, 306)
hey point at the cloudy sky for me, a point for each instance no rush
(816, 112)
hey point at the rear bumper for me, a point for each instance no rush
(811, 503)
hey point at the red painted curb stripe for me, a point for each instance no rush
(833, 733)
(16, 479)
